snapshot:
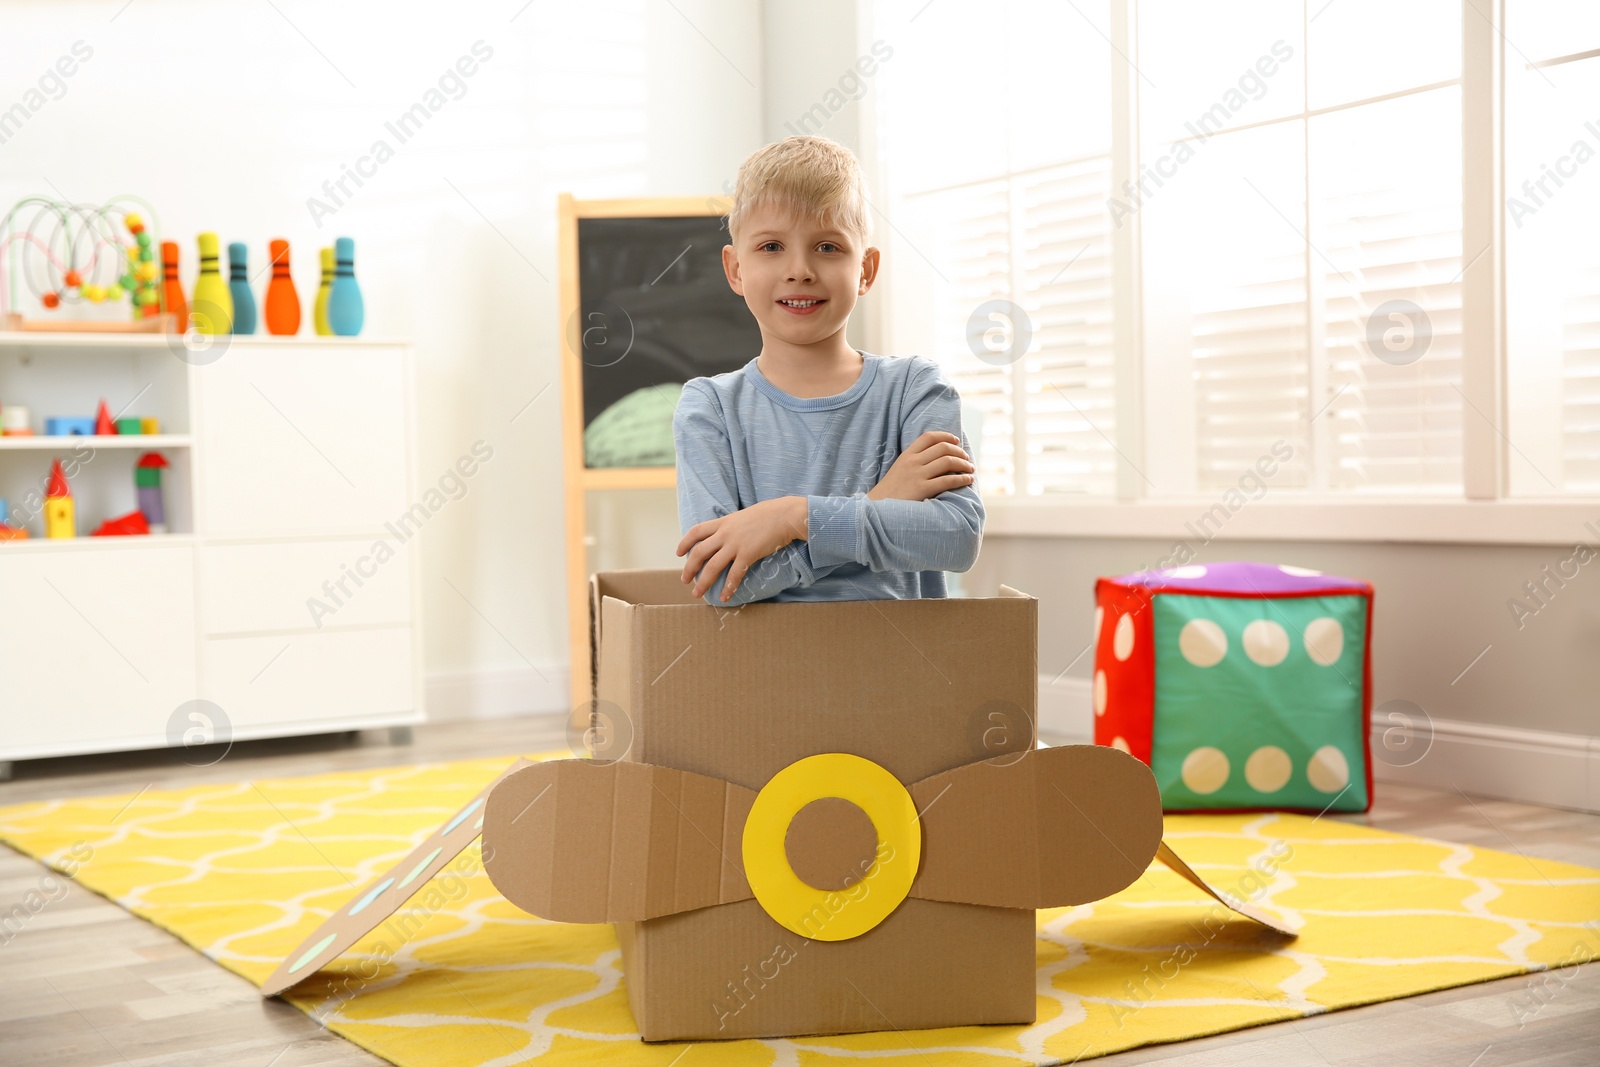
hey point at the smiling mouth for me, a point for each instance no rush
(801, 305)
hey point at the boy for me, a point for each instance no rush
(817, 472)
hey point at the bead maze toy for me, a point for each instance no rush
(69, 254)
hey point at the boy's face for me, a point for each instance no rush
(779, 257)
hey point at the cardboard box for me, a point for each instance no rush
(918, 687)
(802, 818)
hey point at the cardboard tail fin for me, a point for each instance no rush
(356, 919)
(1171, 859)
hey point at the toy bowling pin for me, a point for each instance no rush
(319, 313)
(147, 487)
(283, 303)
(212, 308)
(345, 311)
(244, 304)
(59, 520)
(172, 288)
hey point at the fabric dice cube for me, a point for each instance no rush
(1244, 686)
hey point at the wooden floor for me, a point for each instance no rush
(85, 983)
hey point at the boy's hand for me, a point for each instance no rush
(739, 540)
(935, 463)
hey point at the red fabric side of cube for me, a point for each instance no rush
(1130, 683)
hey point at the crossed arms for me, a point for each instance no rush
(922, 514)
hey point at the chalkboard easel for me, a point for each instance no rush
(645, 306)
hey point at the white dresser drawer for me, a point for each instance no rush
(335, 675)
(97, 644)
(301, 440)
(299, 585)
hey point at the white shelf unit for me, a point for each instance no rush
(290, 459)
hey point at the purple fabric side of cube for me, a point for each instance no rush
(1241, 577)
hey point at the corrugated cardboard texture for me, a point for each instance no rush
(739, 694)
(731, 971)
(1066, 826)
(591, 841)
(587, 842)
(830, 844)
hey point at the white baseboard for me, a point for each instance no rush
(1531, 766)
(499, 694)
(1066, 709)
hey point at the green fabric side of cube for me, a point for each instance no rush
(1239, 707)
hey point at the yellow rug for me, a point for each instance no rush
(243, 872)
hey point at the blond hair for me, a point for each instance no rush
(814, 178)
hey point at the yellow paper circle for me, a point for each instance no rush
(821, 914)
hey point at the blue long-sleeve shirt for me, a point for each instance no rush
(741, 440)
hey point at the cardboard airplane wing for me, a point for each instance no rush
(829, 847)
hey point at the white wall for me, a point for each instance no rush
(229, 117)
(820, 75)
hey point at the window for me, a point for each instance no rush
(1284, 229)
(996, 174)
(1294, 223)
(1552, 177)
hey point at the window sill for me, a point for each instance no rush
(1529, 522)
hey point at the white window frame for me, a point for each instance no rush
(1482, 514)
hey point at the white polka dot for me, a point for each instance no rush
(1121, 744)
(1202, 642)
(1099, 617)
(1205, 770)
(1328, 770)
(1299, 572)
(1193, 571)
(1099, 692)
(1265, 642)
(1122, 640)
(1324, 641)
(1268, 769)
